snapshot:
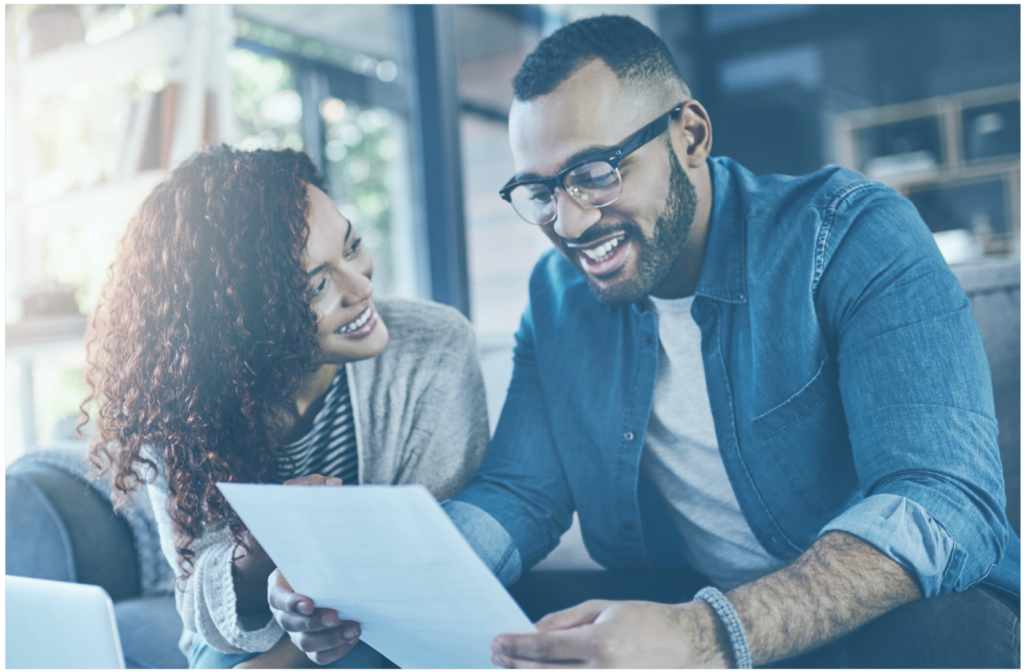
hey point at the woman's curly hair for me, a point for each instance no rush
(203, 332)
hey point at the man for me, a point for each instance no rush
(775, 382)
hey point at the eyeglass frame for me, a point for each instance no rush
(613, 158)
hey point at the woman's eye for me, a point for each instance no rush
(320, 288)
(354, 247)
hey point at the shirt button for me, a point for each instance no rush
(628, 436)
(628, 527)
(647, 340)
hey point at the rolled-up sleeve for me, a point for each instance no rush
(488, 538)
(904, 531)
(917, 394)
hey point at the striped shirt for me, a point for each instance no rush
(329, 448)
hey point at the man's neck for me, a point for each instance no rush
(682, 280)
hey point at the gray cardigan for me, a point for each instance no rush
(421, 417)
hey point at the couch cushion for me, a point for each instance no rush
(60, 528)
(31, 517)
(155, 576)
(150, 628)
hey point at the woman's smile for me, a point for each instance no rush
(361, 326)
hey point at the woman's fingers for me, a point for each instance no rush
(312, 630)
(319, 620)
(281, 597)
(294, 612)
(329, 656)
(314, 479)
(344, 636)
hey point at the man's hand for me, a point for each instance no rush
(318, 633)
(836, 586)
(600, 633)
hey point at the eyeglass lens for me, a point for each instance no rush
(593, 185)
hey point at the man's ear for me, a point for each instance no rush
(691, 132)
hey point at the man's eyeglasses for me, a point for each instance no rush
(593, 182)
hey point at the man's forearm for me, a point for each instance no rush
(837, 585)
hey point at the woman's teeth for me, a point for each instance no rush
(601, 251)
(356, 323)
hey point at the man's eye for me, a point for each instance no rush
(540, 195)
(320, 288)
(597, 175)
(354, 247)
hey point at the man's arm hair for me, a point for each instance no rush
(839, 584)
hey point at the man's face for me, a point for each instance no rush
(626, 249)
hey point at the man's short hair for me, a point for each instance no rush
(632, 50)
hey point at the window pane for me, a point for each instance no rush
(501, 247)
(360, 162)
(268, 107)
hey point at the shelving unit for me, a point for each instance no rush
(956, 157)
(193, 45)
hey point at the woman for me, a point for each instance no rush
(237, 340)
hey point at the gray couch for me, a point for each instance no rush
(60, 524)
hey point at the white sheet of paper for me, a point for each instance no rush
(389, 558)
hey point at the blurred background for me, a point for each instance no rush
(405, 110)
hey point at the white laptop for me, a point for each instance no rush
(56, 624)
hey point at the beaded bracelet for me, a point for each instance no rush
(731, 620)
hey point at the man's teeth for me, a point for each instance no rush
(602, 251)
(356, 323)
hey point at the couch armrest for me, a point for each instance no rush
(993, 286)
(58, 527)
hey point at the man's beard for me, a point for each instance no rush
(658, 255)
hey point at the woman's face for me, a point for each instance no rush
(348, 326)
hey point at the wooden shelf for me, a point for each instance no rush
(157, 40)
(34, 335)
(116, 200)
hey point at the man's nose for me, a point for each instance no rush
(573, 219)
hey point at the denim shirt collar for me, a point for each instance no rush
(723, 276)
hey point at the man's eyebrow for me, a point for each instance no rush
(581, 155)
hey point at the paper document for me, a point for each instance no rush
(389, 558)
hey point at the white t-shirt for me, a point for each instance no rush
(681, 458)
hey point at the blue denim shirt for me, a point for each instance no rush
(848, 385)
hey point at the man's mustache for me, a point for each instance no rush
(595, 233)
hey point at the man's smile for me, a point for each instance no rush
(603, 256)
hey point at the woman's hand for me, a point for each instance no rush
(319, 633)
(314, 479)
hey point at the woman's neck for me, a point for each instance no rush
(308, 400)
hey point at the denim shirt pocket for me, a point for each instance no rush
(807, 436)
